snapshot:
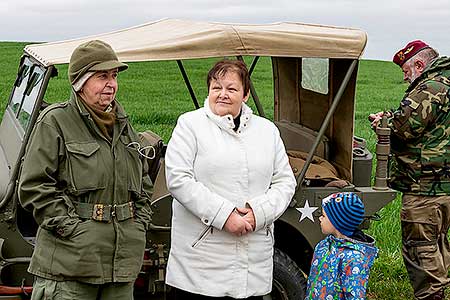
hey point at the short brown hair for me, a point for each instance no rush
(227, 65)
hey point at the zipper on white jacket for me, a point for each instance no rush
(269, 232)
(202, 236)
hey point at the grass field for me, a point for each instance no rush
(155, 100)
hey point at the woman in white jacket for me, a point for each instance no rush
(229, 174)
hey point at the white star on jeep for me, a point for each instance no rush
(306, 211)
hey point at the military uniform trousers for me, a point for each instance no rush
(426, 252)
(47, 289)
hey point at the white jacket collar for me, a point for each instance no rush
(226, 122)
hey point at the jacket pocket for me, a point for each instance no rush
(84, 169)
(87, 252)
(202, 236)
(131, 236)
(420, 224)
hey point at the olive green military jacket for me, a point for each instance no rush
(421, 134)
(87, 196)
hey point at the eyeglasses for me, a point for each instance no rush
(145, 151)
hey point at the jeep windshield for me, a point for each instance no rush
(26, 89)
(17, 117)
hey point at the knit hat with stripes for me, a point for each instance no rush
(345, 211)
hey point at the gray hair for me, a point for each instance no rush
(426, 55)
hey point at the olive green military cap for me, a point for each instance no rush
(94, 56)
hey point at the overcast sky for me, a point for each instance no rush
(390, 24)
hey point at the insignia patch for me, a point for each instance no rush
(409, 102)
(422, 87)
(406, 102)
(409, 50)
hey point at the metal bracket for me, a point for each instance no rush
(155, 266)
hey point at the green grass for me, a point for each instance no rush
(380, 87)
(154, 94)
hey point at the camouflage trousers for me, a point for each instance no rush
(47, 289)
(426, 250)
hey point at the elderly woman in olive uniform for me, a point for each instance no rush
(229, 174)
(84, 184)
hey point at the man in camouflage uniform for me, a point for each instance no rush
(420, 141)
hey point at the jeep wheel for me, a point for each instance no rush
(289, 282)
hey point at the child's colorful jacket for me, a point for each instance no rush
(340, 268)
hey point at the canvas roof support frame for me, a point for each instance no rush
(259, 107)
(252, 88)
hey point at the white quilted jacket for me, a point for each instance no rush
(210, 170)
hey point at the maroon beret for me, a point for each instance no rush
(409, 51)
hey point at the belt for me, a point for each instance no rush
(105, 212)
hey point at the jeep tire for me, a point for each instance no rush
(289, 281)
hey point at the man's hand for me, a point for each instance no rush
(375, 118)
(237, 225)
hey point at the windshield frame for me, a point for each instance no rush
(27, 90)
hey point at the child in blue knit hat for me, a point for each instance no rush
(341, 262)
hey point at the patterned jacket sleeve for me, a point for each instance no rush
(418, 110)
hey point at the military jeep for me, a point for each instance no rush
(314, 71)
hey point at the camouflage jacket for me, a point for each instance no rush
(420, 136)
